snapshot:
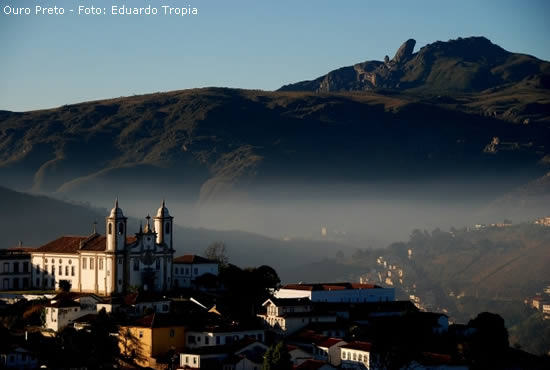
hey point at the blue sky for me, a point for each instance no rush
(48, 61)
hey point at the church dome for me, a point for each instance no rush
(163, 211)
(116, 212)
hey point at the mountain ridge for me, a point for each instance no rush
(472, 64)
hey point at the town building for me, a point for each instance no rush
(110, 263)
(189, 267)
(151, 336)
(222, 335)
(15, 268)
(337, 292)
(356, 355)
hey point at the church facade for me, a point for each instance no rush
(110, 263)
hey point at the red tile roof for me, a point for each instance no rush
(192, 259)
(327, 343)
(72, 244)
(361, 346)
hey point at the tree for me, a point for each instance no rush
(65, 285)
(217, 252)
(277, 358)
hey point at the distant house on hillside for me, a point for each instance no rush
(337, 292)
(189, 267)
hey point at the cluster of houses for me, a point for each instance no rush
(541, 302)
(168, 310)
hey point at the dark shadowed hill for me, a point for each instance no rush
(470, 64)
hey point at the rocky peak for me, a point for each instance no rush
(405, 51)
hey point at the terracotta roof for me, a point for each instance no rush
(131, 239)
(327, 343)
(360, 346)
(192, 259)
(72, 244)
(22, 249)
(330, 286)
(157, 320)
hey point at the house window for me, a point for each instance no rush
(60, 261)
(6, 267)
(37, 269)
(16, 283)
(84, 263)
(136, 264)
(141, 333)
(91, 263)
(72, 270)
(206, 340)
(53, 270)
(70, 262)
(101, 263)
(172, 333)
(66, 270)
(53, 261)
(344, 355)
(60, 270)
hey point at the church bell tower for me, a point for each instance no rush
(116, 229)
(163, 226)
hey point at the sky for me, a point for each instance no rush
(51, 60)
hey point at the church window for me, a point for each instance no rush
(72, 270)
(60, 270)
(158, 263)
(70, 262)
(101, 264)
(66, 270)
(84, 263)
(167, 228)
(91, 263)
(25, 267)
(53, 261)
(136, 264)
(121, 228)
(53, 270)
(110, 228)
(37, 282)
(60, 261)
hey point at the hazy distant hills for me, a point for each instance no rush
(36, 220)
(215, 144)
(470, 64)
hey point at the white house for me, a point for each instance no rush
(288, 315)
(105, 264)
(337, 292)
(15, 270)
(60, 314)
(219, 336)
(189, 267)
(298, 355)
(329, 350)
(212, 357)
(356, 355)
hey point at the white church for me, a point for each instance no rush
(110, 263)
